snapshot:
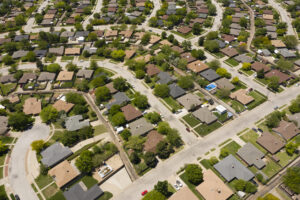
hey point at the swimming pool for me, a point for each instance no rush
(210, 87)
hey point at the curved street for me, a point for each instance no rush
(17, 173)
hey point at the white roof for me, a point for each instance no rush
(2, 107)
(120, 129)
(221, 108)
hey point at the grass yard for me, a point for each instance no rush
(205, 163)
(262, 81)
(253, 169)
(237, 106)
(205, 129)
(271, 168)
(50, 191)
(186, 36)
(43, 181)
(1, 172)
(200, 95)
(56, 136)
(106, 196)
(258, 99)
(7, 88)
(190, 185)
(99, 129)
(58, 196)
(252, 136)
(232, 147)
(3, 192)
(285, 159)
(66, 58)
(6, 139)
(191, 120)
(2, 159)
(222, 118)
(218, 55)
(89, 181)
(232, 62)
(247, 72)
(172, 103)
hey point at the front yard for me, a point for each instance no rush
(191, 120)
(172, 103)
(205, 129)
(232, 62)
(258, 99)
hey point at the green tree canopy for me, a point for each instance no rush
(85, 162)
(186, 82)
(140, 101)
(19, 121)
(120, 84)
(38, 145)
(161, 90)
(49, 114)
(194, 174)
(102, 94)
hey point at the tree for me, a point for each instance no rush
(194, 174)
(162, 187)
(162, 150)
(163, 128)
(212, 35)
(187, 45)
(198, 54)
(290, 41)
(235, 80)
(118, 55)
(134, 158)
(125, 134)
(290, 148)
(75, 98)
(273, 83)
(140, 101)
(3, 148)
(223, 72)
(291, 179)
(19, 121)
(38, 145)
(197, 29)
(102, 94)
(211, 46)
(273, 120)
(38, 18)
(31, 56)
(120, 84)
(161, 90)
(213, 160)
(150, 159)
(85, 162)
(7, 59)
(224, 153)
(49, 114)
(118, 119)
(214, 64)
(261, 73)
(153, 117)
(224, 93)
(154, 195)
(72, 67)
(186, 82)
(246, 66)
(284, 65)
(139, 74)
(174, 138)
(135, 143)
(295, 106)
(54, 68)
(201, 41)
(243, 22)
(146, 38)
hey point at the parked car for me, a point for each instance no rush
(144, 192)
(17, 197)
(187, 129)
(176, 187)
(260, 130)
(276, 107)
(179, 183)
(254, 129)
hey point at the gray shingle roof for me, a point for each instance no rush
(119, 99)
(210, 75)
(3, 124)
(190, 101)
(140, 127)
(19, 54)
(7, 79)
(230, 168)
(164, 78)
(78, 193)
(19, 38)
(84, 73)
(204, 115)
(76, 122)
(251, 155)
(176, 91)
(244, 58)
(46, 76)
(55, 154)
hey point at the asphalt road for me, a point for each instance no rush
(17, 175)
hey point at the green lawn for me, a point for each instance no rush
(106, 196)
(58, 196)
(172, 103)
(247, 72)
(232, 62)
(89, 181)
(205, 129)
(205, 163)
(200, 95)
(43, 181)
(218, 55)
(191, 120)
(232, 147)
(186, 36)
(285, 159)
(6, 139)
(190, 185)
(56, 136)
(222, 118)
(271, 168)
(1, 172)
(258, 99)
(66, 58)
(237, 106)
(264, 81)
(2, 159)
(252, 136)
(50, 191)
(7, 88)
(253, 169)
(99, 129)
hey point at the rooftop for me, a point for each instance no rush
(204, 115)
(242, 96)
(210, 75)
(76, 122)
(189, 101)
(153, 138)
(197, 66)
(32, 106)
(78, 193)
(65, 76)
(287, 130)
(140, 127)
(3, 125)
(251, 155)
(61, 105)
(184, 193)
(130, 112)
(176, 91)
(55, 154)
(270, 142)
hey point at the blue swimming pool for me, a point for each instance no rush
(210, 87)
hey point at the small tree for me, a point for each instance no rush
(224, 93)
(145, 39)
(290, 148)
(140, 101)
(235, 80)
(134, 158)
(274, 83)
(246, 66)
(118, 119)
(49, 114)
(291, 179)
(186, 82)
(162, 187)
(102, 94)
(125, 134)
(153, 117)
(213, 160)
(150, 159)
(120, 84)
(161, 90)
(162, 149)
(194, 174)
(261, 73)
(38, 145)
(19, 121)
(85, 162)
(224, 153)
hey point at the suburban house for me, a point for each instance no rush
(131, 113)
(257, 66)
(287, 130)
(65, 76)
(230, 52)
(176, 91)
(197, 66)
(32, 106)
(244, 59)
(76, 122)
(204, 115)
(111, 88)
(77, 192)
(8, 79)
(224, 83)
(190, 101)
(58, 51)
(241, 96)
(295, 118)
(54, 154)
(251, 155)
(210, 75)
(282, 76)
(153, 138)
(46, 76)
(120, 98)
(140, 127)
(85, 74)
(270, 142)
(61, 105)
(152, 70)
(164, 78)
(184, 193)
(27, 77)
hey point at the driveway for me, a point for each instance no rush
(17, 167)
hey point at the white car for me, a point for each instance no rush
(176, 187)
(179, 183)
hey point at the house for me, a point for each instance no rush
(72, 51)
(47, 22)
(234, 32)
(8, 79)
(230, 52)
(4, 40)
(210, 75)
(19, 54)
(184, 29)
(145, 58)
(99, 33)
(270, 142)
(251, 155)
(131, 113)
(197, 66)
(129, 53)
(90, 49)
(295, 118)
(241, 96)
(54, 154)
(224, 83)
(65, 76)
(243, 58)
(58, 51)
(230, 168)
(153, 138)
(120, 98)
(286, 53)
(46, 76)
(235, 26)
(267, 17)
(257, 66)
(178, 49)
(190, 101)
(61, 105)
(111, 88)
(270, 28)
(79, 34)
(140, 127)
(40, 53)
(76, 122)
(19, 38)
(264, 52)
(278, 44)
(165, 42)
(152, 70)
(213, 188)
(32, 106)
(176, 91)
(204, 115)
(126, 33)
(282, 76)
(3, 125)
(272, 35)
(287, 130)
(184, 193)
(227, 38)
(164, 78)
(85, 74)
(14, 99)
(111, 33)
(63, 173)
(77, 192)
(154, 39)
(67, 34)
(188, 57)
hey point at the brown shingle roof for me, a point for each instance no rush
(152, 69)
(130, 112)
(72, 51)
(127, 33)
(230, 52)
(188, 57)
(111, 88)
(65, 76)
(153, 138)
(257, 66)
(32, 106)
(177, 48)
(184, 193)
(197, 66)
(277, 43)
(154, 39)
(62, 105)
(184, 29)
(282, 76)
(228, 38)
(242, 96)
(270, 142)
(129, 53)
(287, 130)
